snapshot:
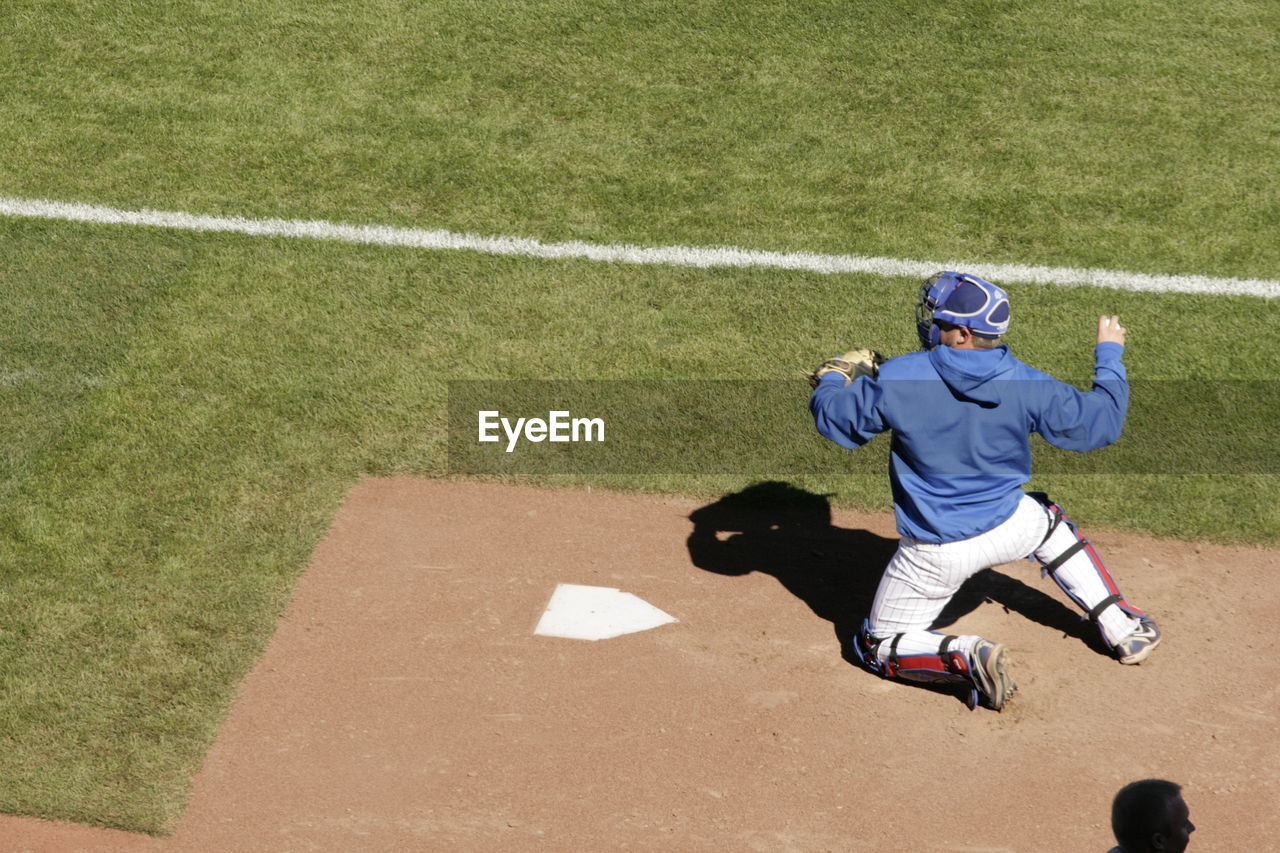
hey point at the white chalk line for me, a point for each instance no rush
(682, 256)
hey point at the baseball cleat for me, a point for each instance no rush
(1137, 646)
(991, 674)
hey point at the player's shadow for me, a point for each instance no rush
(1016, 596)
(785, 531)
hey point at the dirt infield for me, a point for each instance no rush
(405, 703)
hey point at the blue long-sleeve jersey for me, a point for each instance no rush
(961, 422)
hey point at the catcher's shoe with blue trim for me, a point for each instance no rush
(991, 673)
(1137, 646)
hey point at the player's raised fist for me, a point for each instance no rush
(1109, 329)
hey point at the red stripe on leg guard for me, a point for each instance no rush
(934, 663)
(1110, 583)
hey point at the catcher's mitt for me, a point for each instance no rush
(851, 365)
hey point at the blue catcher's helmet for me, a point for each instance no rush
(962, 300)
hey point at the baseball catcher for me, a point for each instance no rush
(961, 412)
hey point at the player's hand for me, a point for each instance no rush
(1109, 329)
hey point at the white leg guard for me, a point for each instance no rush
(926, 656)
(922, 655)
(1070, 560)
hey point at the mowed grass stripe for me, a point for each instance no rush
(683, 256)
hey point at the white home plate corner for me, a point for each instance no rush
(597, 613)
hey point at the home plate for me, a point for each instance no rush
(597, 613)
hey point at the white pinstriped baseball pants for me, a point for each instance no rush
(923, 576)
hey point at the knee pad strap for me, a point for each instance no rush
(1055, 514)
(1052, 566)
(1102, 605)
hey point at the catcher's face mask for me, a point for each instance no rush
(962, 300)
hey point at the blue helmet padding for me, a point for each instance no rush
(962, 300)
(967, 298)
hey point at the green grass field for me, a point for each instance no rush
(183, 413)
